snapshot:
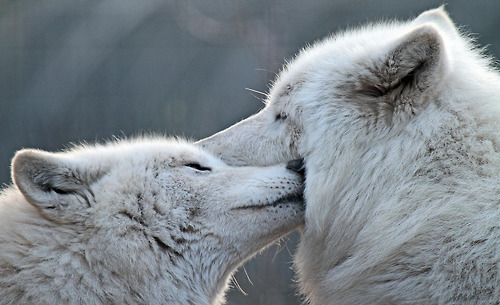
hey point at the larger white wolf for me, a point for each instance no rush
(143, 222)
(399, 127)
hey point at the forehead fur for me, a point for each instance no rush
(358, 46)
(334, 68)
(139, 148)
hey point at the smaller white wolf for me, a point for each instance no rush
(149, 221)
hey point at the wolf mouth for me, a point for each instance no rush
(296, 198)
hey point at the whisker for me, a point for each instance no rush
(257, 91)
(248, 277)
(238, 285)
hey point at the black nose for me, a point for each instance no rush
(296, 166)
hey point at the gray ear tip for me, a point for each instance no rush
(19, 161)
(26, 163)
(22, 158)
(23, 155)
(428, 31)
(423, 42)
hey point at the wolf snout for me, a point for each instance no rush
(297, 166)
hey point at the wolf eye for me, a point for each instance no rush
(198, 167)
(281, 116)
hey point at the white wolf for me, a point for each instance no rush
(399, 127)
(136, 222)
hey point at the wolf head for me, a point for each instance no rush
(164, 220)
(394, 120)
(353, 95)
(352, 89)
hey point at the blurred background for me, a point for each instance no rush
(88, 70)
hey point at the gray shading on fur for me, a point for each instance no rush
(398, 123)
(147, 221)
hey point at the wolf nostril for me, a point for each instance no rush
(296, 166)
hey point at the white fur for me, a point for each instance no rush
(133, 222)
(399, 127)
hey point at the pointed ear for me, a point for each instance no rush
(440, 18)
(51, 183)
(404, 80)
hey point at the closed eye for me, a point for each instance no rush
(198, 167)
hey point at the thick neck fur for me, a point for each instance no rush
(74, 261)
(394, 186)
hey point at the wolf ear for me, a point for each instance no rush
(51, 183)
(440, 18)
(403, 79)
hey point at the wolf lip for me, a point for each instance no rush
(296, 198)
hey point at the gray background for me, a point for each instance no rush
(73, 71)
